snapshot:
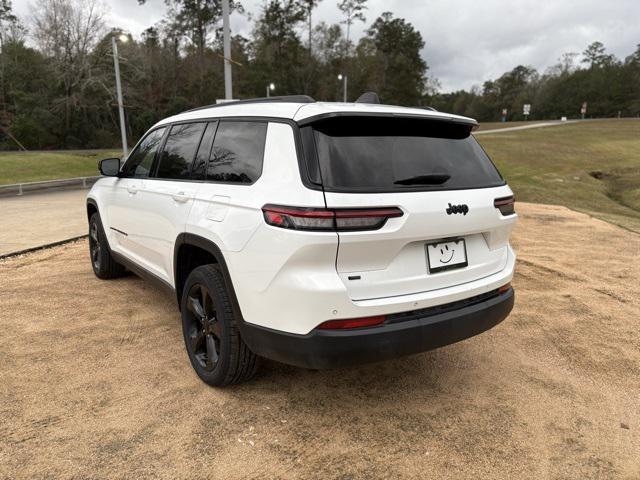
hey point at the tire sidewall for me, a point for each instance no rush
(95, 219)
(202, 275)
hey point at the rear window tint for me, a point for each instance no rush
(381, 154)
(238, 151)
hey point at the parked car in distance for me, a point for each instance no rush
(314, 234)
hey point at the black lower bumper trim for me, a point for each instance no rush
(419, 332)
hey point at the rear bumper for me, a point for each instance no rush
(403, 334)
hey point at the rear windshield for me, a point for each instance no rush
(382, 154)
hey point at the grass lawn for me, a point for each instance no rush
(19, 167)
(593, 167)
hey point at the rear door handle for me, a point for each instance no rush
(182, 197)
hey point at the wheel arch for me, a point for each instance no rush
(191, 251)
(92, 207)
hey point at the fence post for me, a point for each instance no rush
(20, 189)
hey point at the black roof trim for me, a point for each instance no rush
(280, 99)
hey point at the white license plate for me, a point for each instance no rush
(446, 255)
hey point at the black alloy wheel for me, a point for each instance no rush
(203, 330)
(95, 248)
(210, 328)
(102, 262)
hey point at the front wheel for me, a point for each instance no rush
(104, 266)
(214, 345)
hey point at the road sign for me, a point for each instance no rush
(583, 109)
(526, 108)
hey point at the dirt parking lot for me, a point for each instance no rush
(95, 382)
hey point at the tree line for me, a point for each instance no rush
(57, 85)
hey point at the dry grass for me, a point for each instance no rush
(95, 382)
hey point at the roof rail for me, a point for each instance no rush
(280, 99)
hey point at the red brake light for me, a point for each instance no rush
(506, 205)
(352, 323)
(504, 288)
(327, 219)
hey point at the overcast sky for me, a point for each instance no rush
(467, 41)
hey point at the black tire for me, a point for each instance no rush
(104, 266)
(211, 335)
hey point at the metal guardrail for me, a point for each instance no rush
(63, 183)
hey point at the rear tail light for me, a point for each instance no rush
(506, 205)
(504, 288)
(328, 219)
(352, 323)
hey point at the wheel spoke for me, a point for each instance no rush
(212, 354)
(195, 337)
(214, 328)
(206, 300)
(194, 306)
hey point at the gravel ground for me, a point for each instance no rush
(95, 382)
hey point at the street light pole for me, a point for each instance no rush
(226, 42)
(123, 127)
(344, 87)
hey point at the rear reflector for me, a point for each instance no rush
(506, 205)
(352, 323)
(327, 219)
(504, 288)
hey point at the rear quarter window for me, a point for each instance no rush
(237, 153)
(382, 154)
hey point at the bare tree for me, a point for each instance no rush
(353, 10)
(67, 31)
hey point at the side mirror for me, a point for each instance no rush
(109, 167)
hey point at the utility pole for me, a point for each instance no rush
(116, 64)
(228, 90)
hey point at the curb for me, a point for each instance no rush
(19, 189)
(42, 247)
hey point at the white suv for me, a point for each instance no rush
(315, 234)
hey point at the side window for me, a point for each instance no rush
(140, 161)
(238, 150)
(179, 150)
(199, 170)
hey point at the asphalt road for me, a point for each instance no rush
(36, 219)
(95, 382)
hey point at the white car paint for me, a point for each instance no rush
(290, 280)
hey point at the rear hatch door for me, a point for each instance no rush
(450, 232)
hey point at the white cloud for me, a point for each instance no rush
(467, 41)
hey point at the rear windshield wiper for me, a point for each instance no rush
(431, 179)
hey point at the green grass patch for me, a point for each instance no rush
(20, 167)
(592, 167)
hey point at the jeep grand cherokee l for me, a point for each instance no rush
(315, 234)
